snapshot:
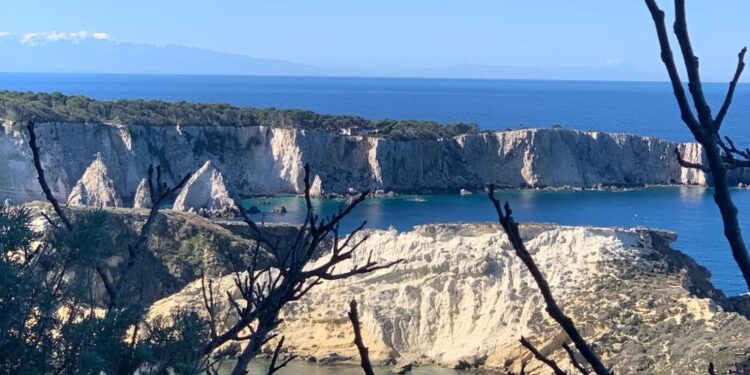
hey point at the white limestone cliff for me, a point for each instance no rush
(206, 193)
(95, 188)
(142, 197)
(463, 298)
(262, 160)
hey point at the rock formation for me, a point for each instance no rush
(142, 197)
(262, 160)
(463, 298)
(95, 188)
(206, 193)
(316, 188)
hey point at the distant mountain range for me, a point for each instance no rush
(97, 53)
(84, 52)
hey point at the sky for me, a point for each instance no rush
(399, 34)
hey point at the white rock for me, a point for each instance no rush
(263, 160)
(316, 188)
(463, 296)
(142, 195)
(95, 188)
(206, 192)
(464, 192)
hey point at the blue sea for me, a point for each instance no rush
(645, 108)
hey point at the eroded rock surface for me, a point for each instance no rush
(462, 298)
(95, 188)
(263, 160)
(142, 197)
(206, 193)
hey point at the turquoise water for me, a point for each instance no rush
(260, 367)
(689, 211)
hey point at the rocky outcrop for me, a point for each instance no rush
(262, 160)
(462, 297)
(316, 188)
(206, 193)
(142, 197)
(95, 188)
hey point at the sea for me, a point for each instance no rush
(644, 108)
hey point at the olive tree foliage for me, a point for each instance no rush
(49, 321)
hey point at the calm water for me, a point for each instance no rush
(689, 211)
(632, 107)
(260, 367)
(645, 108)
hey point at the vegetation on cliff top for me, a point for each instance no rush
(56, 107)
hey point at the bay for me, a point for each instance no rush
(688, 211)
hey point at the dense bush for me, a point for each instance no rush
(50, 321)
(56, 107)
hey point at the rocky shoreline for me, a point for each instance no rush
(263, 160)
(462, 300)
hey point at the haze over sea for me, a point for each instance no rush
(643, 108)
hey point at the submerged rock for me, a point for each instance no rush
(206, 193)
(95, 188)
(281, 210)
(142, 195)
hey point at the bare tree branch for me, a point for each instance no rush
(730, 92)
(364, 353)
(686, 164)
(720, 156)
(264, 289)
(42, 180)
(691, 66)
(273, 367)
(674, 76)
(540, 357)
(574, 360)
(511, 230)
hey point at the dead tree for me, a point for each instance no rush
(540, 357)
(293, 271)
(721, 153)
(511, 230)
(114, 282)
(160, 192)
(364, 353)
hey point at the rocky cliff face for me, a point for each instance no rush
(262, 160)
(206, 193)
(142, 197)
(462, 298)
(95, 188)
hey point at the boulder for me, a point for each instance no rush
(206, 193)
(95, 188)
(142, 195)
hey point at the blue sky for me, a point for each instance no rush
(403, 33)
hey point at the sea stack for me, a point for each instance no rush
(206, 193)
(316, 188)
(142, 195)
(95, 188)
